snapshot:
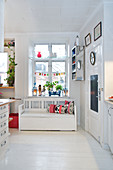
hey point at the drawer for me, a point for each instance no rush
(3, 146)
(3, 109)
(3, 134)
(3, 117)
(3, 125)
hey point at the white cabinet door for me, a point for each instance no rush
(110, 127)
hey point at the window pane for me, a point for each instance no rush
(3, 68)
(3, 62)
(94, 93)
(41, 67)
(59, 50)
(58, 67)
(43, 49)
(58, 73)
(60, 79)
(41, 80)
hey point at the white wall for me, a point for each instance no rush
(94, 19)
(1, 25)
(103, 13)
(23, 50)
(108, 49)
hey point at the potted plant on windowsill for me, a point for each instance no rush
(11, 70)
(50, 86)
(59, 88)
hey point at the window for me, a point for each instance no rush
(50, 66)
(58, 72)
(59, 50)
(43, 49)
(3, 68)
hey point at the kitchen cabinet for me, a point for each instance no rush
(110, 126)
(4, 132)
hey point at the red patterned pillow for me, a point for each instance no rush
(66, 102)
(70, 106)
(60, 109)
(52, 108)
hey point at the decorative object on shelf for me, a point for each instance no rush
(34, 90)
(77, 41)
(92, 58)
(98, 31)
(39, 54)
(1, 84)
(79, 64)
(39, 90)
(88, 39)
(11, 71)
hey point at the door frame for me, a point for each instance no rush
(88, 49)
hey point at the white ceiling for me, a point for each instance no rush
(47, 15)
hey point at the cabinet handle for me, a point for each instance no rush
(2, 144)
(109, 111)
(2, 125)
(3, 116)
(3, 133)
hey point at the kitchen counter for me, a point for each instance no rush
(6, 101)
(109, 102)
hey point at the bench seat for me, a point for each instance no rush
(33, 115)
(46, 115)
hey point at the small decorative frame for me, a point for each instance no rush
(98, 31)
(92, 58)
(88, 39)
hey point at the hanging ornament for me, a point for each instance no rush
(39, 54)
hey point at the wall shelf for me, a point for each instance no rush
(78, 63)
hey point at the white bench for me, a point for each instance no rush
(33, 115)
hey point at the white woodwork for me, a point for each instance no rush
(33, 115)
(110, 126)
(3, 129)
(1, 25)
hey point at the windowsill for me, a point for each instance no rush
(48, 97)
(4, 87)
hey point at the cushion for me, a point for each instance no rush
(60, 109)
(69, 106)
(51, 108)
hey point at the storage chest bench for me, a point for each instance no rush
(33, 115)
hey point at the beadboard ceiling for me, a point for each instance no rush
(47, 15)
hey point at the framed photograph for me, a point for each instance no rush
(88, 39)
(98, 31)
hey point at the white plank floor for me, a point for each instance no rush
(55, 151)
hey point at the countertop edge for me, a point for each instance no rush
(6, 101)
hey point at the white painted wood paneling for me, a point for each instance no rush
(1, 25)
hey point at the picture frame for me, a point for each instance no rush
(98, 31)
(87, 39)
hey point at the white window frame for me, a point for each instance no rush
(49, 60)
